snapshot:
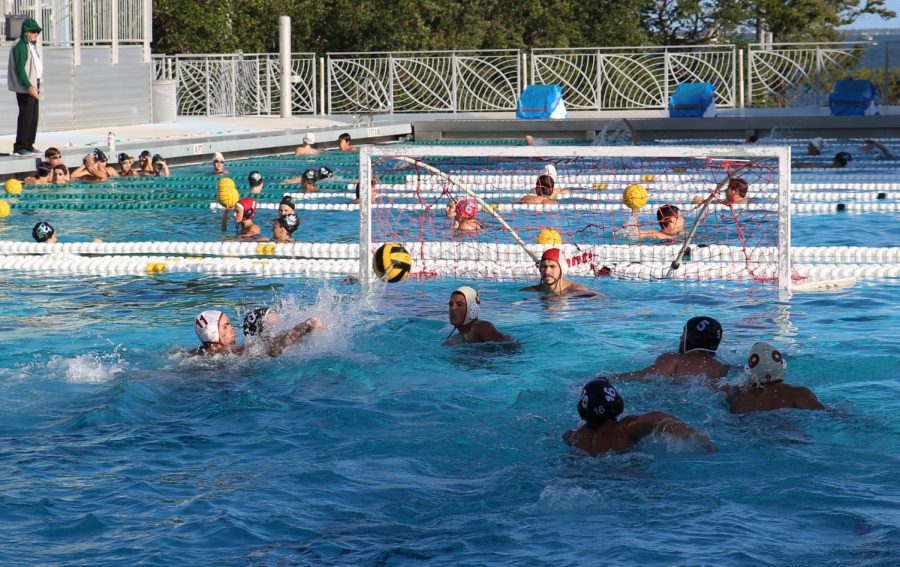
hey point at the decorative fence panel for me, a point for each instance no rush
(237, 84)
(450, 81)
(635, 77)
(798, 74)
(95, 20)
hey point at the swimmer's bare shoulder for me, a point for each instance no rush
(774, 396)
(485, 331)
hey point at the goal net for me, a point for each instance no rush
(489, 212)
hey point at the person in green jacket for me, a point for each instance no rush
(24, 78)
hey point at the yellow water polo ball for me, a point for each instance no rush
(4, 209)
(548, 236)
(227, 194)
(13, 186)
(392, 262)
(635, 196)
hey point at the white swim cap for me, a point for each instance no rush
(472, 303)
(309, 138)
(206, 326)
(550, 170)
(765, 365)
(218, 156)
(817, 143)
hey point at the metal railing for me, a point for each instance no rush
(789, 74)
(426, 81)
(635, 77)
(364, 84)
(237, 84)
(91, 22)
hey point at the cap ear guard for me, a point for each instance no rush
(206, 325)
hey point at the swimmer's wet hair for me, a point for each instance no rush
(666, 213)
(545, 185)
(739, 186)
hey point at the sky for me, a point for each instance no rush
(872, 22)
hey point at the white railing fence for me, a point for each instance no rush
(635, 77)
(428, 81)
(237, 84)
(798, 74)
(90, 22)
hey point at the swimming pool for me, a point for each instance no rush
(373, 444)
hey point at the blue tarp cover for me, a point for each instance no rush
(852, 98)
(538, 101)
(691, 99)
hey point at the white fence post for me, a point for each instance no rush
(114, 32)
(76, 32)
(740, 77)
(147, 28)
(284, 46)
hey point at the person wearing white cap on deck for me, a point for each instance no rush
(307, 148)
(464, 310)
(765, 389)
(553, 268)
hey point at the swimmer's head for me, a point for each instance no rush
(670, 219)
(700, 333)
(284, 226)
(841, 159)
(255, 179)
(310, 176)
(245, 209)
(737, 190)
(552, 259)
(144, 156)
(464, 314)
(324, 173)
(550, 170)
(309, 138)
(544, 186)
(286, 206)
(466, 209)
(599, 402)
(765, 365)
(124, 157)
(206, 325)
(260, 321)
(43, 232)
(99, 155)
(814, 146)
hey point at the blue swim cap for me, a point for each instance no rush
(600, 402)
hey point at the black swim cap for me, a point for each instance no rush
(289, 201)
(843, 158)
(42, 232)
(599, 402)
(99, 155)
(289, 222)
(701, 333)
(144, 154)
(310, 176)
(255, 321)
(255, 179)
(324, 173)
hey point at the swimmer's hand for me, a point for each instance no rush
(314, 323)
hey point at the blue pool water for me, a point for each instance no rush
(372, 444)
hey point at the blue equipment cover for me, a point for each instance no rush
(691, 100)
(853, 98)
(538, 101)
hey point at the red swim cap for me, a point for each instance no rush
(466, 209)
(556, 255)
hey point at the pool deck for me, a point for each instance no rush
(195, 139)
